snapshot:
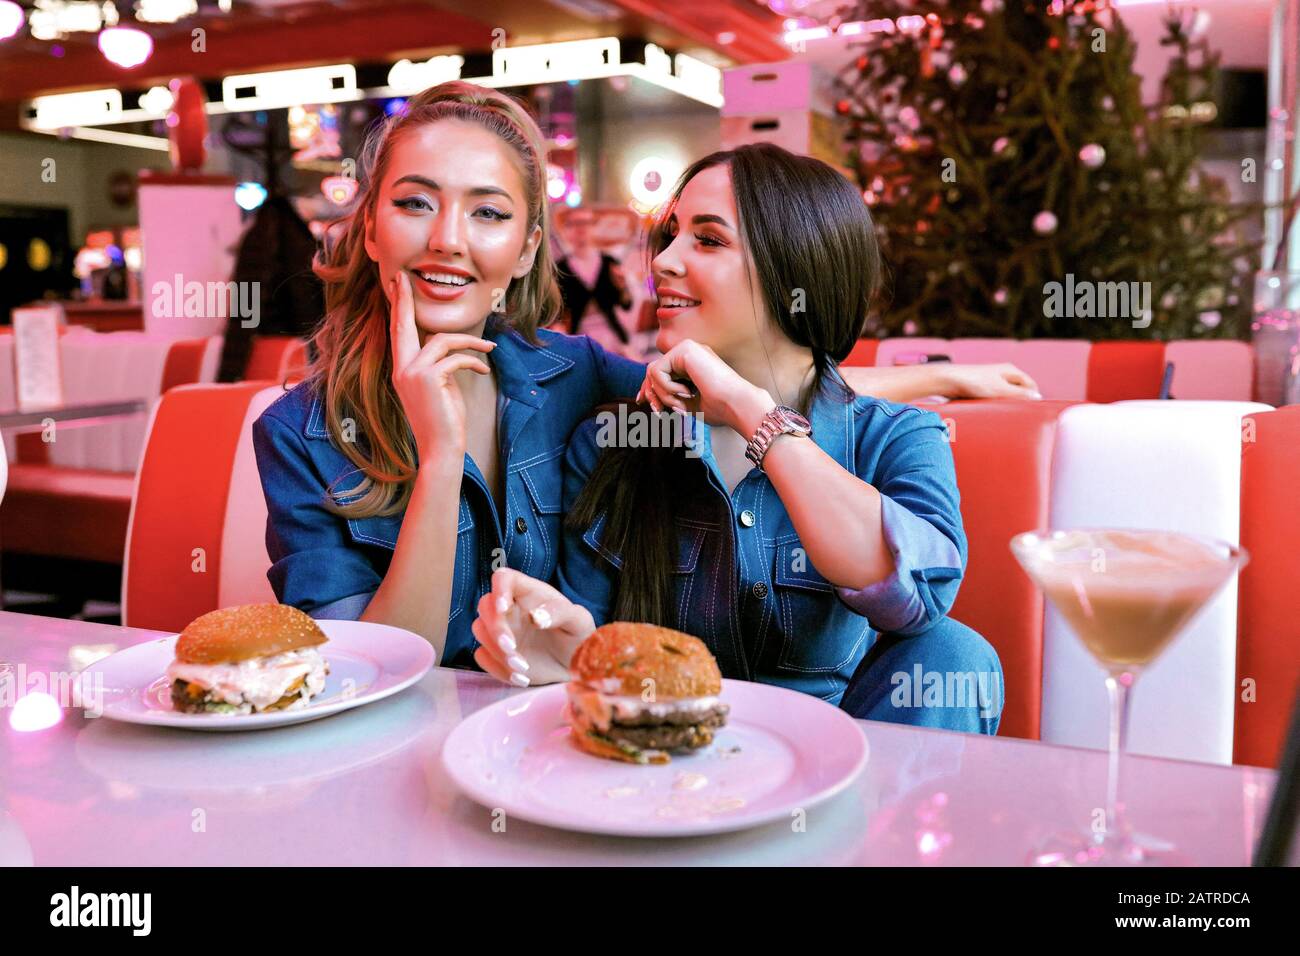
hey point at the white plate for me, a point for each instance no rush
(368, 662)
(780, 752)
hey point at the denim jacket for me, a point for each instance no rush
(329, 566)
(743, 582)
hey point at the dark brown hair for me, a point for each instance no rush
(812, 247)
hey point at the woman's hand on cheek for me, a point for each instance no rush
(691, 378)
(423, 377)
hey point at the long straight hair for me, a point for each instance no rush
(353, 365)
(812, 247)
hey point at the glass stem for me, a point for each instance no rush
(1118, 686)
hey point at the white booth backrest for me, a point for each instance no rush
(1150, 464)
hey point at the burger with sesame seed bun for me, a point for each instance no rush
(640, 692)
(249, 659)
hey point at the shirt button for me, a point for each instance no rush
(521, 525)
(760, 590)
(747, 518)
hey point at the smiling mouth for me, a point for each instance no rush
(677, 302)
(444, 279)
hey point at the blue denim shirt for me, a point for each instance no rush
(744, 584)
(330, 567)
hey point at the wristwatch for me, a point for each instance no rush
(782, 420)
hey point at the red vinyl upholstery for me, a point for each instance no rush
(1118, 371)
(184, 363)
(275, 357)
(1003, 455)
(864, 353)
(174, 551)
(65, 512)
(1268, 629)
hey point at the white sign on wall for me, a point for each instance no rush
(36, 357)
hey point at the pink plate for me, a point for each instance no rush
(368, 662)
(781, 752)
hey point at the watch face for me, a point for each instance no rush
(794, 418)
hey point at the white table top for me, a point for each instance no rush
(367, 787)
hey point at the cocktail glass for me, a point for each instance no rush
(1126, 594)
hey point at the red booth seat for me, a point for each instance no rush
(1002, 452)
(199, 489)
(198, 518)
(61, 511)
(65, 512)
(275, 358)
(1268, 649)
(1079, 370)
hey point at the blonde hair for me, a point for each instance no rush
(353, 365)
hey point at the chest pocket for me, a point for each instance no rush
(692, 537)
(534, 549)
(690, 542)
(819, 634)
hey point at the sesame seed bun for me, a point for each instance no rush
(235, 634)
(629, 653)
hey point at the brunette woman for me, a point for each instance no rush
(814, 540)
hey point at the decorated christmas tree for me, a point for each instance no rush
(1021, 187)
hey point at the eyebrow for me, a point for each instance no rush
(476, 191)
(702, 219)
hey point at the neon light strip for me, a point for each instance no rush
(576, 60)
(90, 107)
(113, 136)
(282, 88)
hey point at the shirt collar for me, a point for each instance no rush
(831, 417)
(521, 366)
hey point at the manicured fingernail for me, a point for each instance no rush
(502, 605)
(507, 644)
(517, 663)
(542, 617)
(520, 680)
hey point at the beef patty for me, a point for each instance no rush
(680, 730)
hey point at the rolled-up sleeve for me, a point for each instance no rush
(920, 516)
(315, 565)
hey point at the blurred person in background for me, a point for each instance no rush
(275, 252)
(592, 282)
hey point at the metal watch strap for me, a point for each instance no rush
(781, 420)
